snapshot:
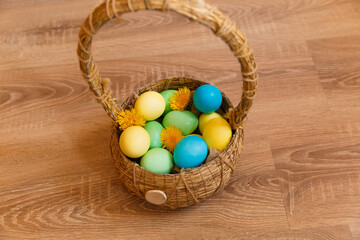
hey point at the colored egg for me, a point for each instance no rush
(154, 129)
(190, 152)
(157, 160)
(151, 105)
(207, 98)
(185, 120)
(217, 133)
(134, 141)
(205, 118)
(167, 94)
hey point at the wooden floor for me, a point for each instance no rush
(299, 172)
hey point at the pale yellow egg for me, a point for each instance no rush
(217, 133)
(205, 118)
(151, 105)
(134, 141)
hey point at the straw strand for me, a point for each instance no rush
(187, 188)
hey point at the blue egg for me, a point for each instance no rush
(207, 98)
(190, 152)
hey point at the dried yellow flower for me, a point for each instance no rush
(128, 118)
(170, 136)
(180, 99)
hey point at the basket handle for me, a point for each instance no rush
(198, 10)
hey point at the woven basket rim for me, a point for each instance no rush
(138, 90)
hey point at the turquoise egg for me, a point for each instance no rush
(207, 98)
(167, 94)
(185, 120)
(157, 160)
(154, 129)
(190, 152)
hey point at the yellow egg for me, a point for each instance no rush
(217, 133)
(205, 118)
(151, 105)
(134, 141)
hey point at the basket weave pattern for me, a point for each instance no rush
(189, 186)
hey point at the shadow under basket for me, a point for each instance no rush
(189, 186)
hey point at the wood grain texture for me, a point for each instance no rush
(299, 171)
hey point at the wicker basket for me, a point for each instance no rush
(190, 186)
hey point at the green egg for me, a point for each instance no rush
(185, 120)
(167, 94)
(154, 129)
(157, 160)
